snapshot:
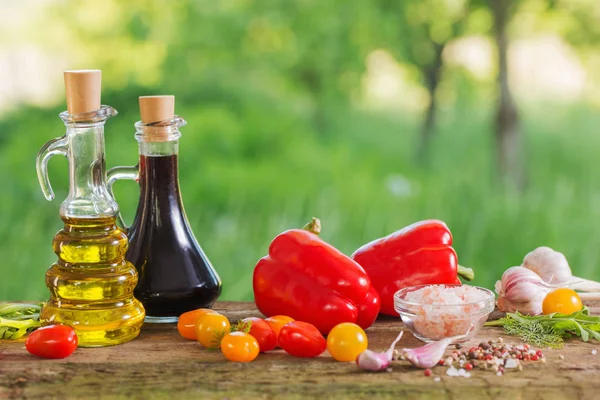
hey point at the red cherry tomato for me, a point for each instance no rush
(261, 330)
(302, 339)
(53, 341)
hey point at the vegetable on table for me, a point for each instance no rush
(53, 341)
(550, 330)
(210, 328)
(525, 287)
(377, 362)
(276, 322)
(346, 341)
(301, 339)
(310, 280)
(239, 347)
(553, 267)
(521, 289)
(428, 355)
(262, 331)
(186, 325)
(562, 300)
(16, 319)
(418, 254)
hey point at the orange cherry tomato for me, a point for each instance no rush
(262, 331)
(277, 322)
(346, 341)
(562, 300)
(240, 347)
(186, 325)
(301, 339)
(209, 326)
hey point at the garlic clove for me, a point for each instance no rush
(372, 361)
(429, 355)
(426, 356)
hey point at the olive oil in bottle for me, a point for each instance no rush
(91, 285)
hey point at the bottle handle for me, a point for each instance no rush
(116, 173)
(58, 146)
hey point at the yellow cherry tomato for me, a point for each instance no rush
(186, 325)
(346, 341)
(208, 328)
(240, 347)
(563, 300)
(276, 322)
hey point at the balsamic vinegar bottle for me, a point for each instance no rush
(175, 275)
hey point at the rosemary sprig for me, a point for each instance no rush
(240, 326)
(16, 320)
(550, 330)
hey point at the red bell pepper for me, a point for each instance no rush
(311, 281)
(419, 254)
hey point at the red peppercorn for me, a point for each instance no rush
(427, 372)
(469, 366)
(519, 356)
(526, 357)
(489, 357)
(441, 362)
(534, 357)
(526, 346)
(539, 353)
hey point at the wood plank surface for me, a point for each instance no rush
(160, 364)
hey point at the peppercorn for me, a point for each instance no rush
(469, 366)
(427, 372)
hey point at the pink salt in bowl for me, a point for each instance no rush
(434, 312)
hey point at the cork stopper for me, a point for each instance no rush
(157, 108)
(82, 89)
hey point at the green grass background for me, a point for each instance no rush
(252, 170)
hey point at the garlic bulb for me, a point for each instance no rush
(554, 269)
(521, 289)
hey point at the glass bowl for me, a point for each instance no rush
(431, 322)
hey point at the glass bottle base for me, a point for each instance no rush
(97, 325)
(160, 320)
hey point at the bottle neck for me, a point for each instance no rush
(88, 194)
(157, 149)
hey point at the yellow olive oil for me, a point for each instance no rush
(91, 285)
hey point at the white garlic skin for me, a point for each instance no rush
(550, 265)
(521, 289)
(553, 267)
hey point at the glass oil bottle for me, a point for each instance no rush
(175, 274)
(91, 285)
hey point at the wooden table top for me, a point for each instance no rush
(161, 364)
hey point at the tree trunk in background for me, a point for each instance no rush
(508, 136)
(432, 75)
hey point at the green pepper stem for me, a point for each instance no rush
(466, 273)
(313, 226)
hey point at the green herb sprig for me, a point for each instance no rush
(550, 330)
(240, 326)
(16, 319)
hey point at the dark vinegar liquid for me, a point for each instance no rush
(175, 275)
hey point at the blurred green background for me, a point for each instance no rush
(368, 114)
